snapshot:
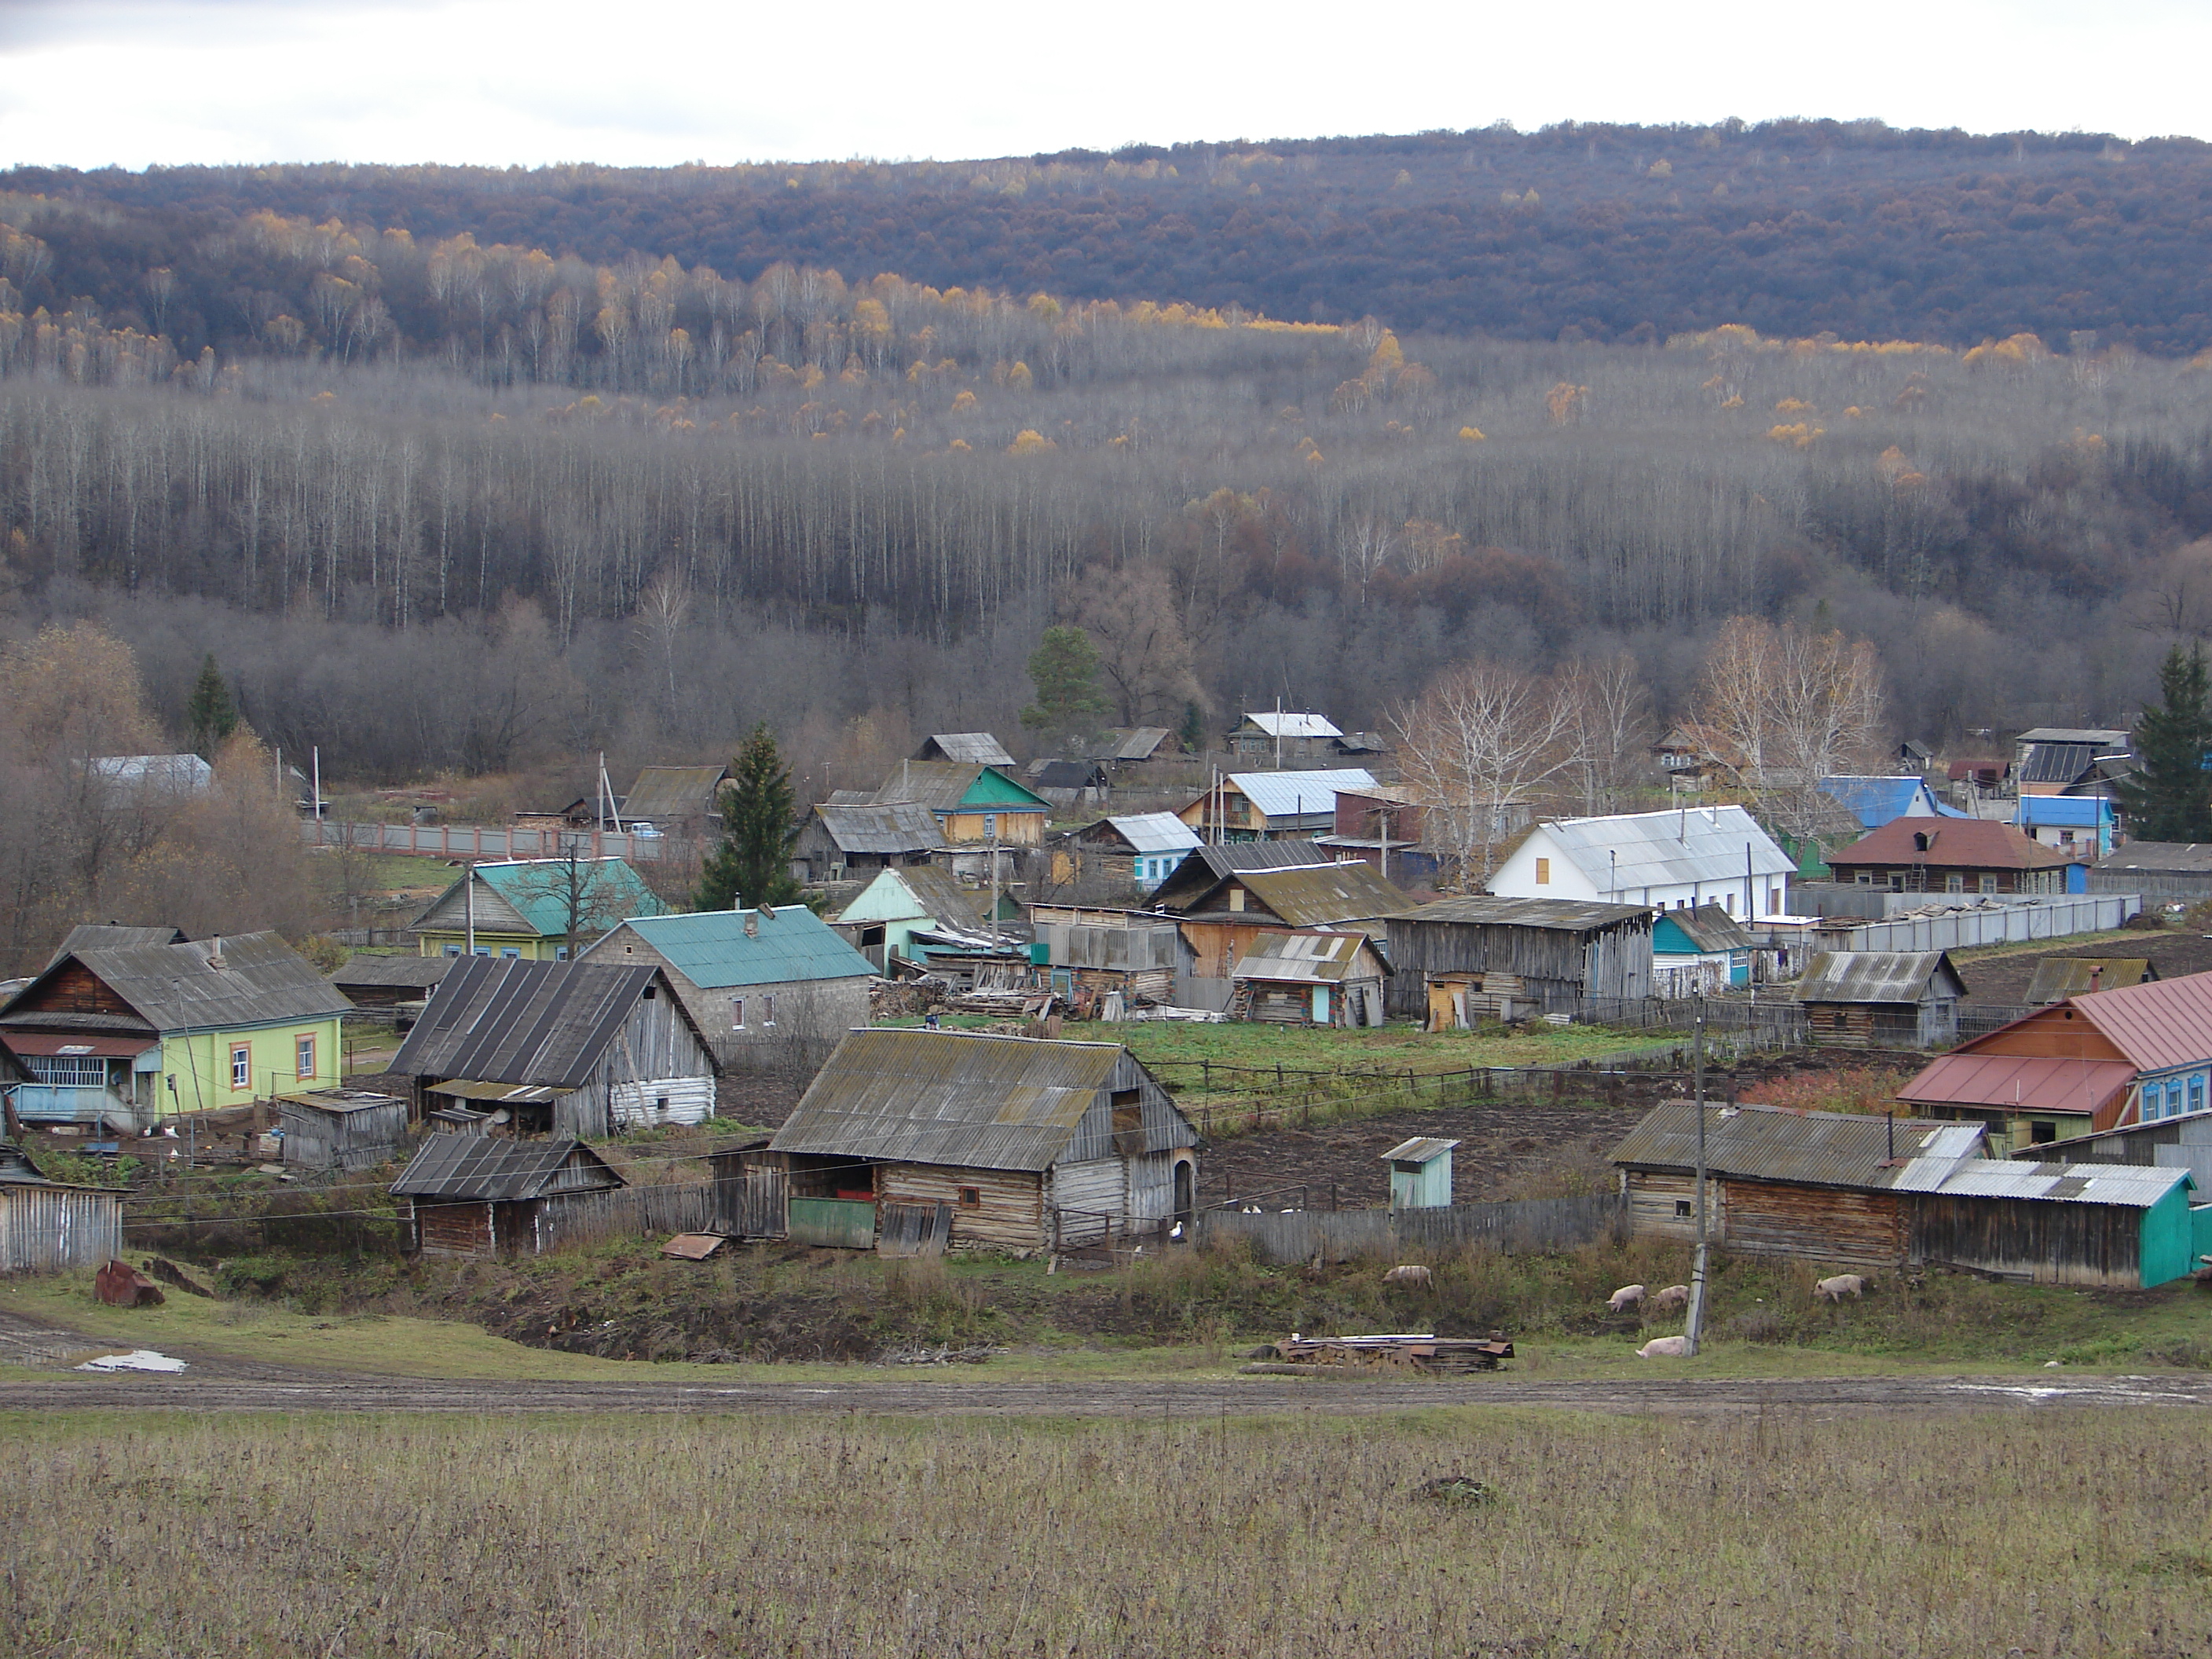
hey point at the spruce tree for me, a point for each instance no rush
(211, 712)
(759, 828)
(2170, 797)
(1068, 711)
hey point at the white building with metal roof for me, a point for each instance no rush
(1672, 860)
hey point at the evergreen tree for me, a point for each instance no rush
(1193, 732)
(2170, 798)
(760, 827)
(1068, 710)
(211, 712)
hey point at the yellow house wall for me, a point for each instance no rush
(1017, 827)
(531, 948)
(198, 1065)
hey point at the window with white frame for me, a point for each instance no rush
(70, 1071)
(241, 1066)
(768, 1008)
(303, 1057)
(737, 1014)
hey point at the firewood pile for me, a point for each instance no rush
(1419, 1351)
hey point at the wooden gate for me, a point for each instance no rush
(753, 1202)
(915, 1228)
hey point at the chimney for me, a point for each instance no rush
(2096, 975)
(215, 953)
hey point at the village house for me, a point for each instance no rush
(1097, 948)
(532, 909)
(1138, 851)
(1672, 860)
(851, 843)
(888, 917)
(481, 1196)
(1694, 756)
(1283, 737)
(1382, 826)
(389, 982)
(684, 802)
(2079, 824)
(975, 805)
(2101, 1060)
(1070, 784)
(1020, 1145)
(1220, 921)
(1880, 1193)
(1328, 979)
(1957, 855)
(1461, 960)
(564, 1049)
(1874, 801)
(2049, 760)
(2161, 871)
(771, 988)
(1271, 806)
(964, 749)
(1699, 952)
(49, 1226)
(1880, 999)
(1127, 747)
(2056, 978)
(1206, 864)
(126, 1034)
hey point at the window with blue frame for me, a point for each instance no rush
(2197, 1093)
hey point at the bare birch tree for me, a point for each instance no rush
(1800, 705)
(1612, 719)
(1481, 740)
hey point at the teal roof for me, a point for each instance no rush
(538, 889)
(711, 950)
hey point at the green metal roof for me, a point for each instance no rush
(791, 943)
(538, 891)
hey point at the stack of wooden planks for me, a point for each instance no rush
(1422, 1350)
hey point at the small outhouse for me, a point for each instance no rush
(341, 1128)
(1421, 1174)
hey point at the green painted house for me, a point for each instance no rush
(901, 901)
(1699, 950)
(534, 910)
(975, 805)
(127, 1034)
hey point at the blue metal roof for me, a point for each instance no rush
(2064, 811)
(711, 948)
(1876, 801)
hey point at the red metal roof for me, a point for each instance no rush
(45, 1043)
(1952, 844)
(2031, 1083)
(2157, 1026)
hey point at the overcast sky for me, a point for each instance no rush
(94, 82)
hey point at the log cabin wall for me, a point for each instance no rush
(1005, 1212)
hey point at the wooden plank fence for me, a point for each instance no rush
(1527, 1226)
(566, 1219)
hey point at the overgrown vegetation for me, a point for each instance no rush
(832, 1536)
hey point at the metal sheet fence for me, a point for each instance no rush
(1530, 1225)
(1996, 924)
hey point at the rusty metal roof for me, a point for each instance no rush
(497, 1020)
(1879, 976)
(2027, 1082)
(1775, 1143)
(1561, 915)
(482, 1168)
(949, 1098)
(1308, 958)
(2160, 1025)
(2057, 978)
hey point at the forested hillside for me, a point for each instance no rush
(446, 497)
(1609, 232)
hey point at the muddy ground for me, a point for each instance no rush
(2004, 979)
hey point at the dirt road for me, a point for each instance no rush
(217, 1384)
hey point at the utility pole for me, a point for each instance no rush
(1695, 1326)
(469, 908)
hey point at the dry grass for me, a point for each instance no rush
(2006, 1534)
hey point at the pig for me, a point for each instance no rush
(1672, 1299)
(1665, 1347)
(1843, 1285)
(1409, 1275)
(1627, 1297)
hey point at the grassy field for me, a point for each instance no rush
(1997, 1535)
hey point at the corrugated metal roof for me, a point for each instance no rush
(2030, 1083)
(1627, 851)
(1774, 1143)
(1155, 832)
(1286, 794)
(484, 1168)
(673, 793)
(1420, 1150)
(1562, 916)
(980, 748)
(942, 786)
(2100, 737)
(2130, 1186)
(1951, 844)
(409, 973)
(1304, 958)
(2057, 978)
(1878, 976)
(1132, 743)
(2061, 763)
(712, 949)
(175, 987)
(2192, 858)
(1320, 894)
(500, 1094)
(608, 891)
(949, 1098)
(2158, 1026)
(1709, 927)
(342, 1102)
(1876, 801)
(901, 826)
(1287, 724)
(498, 1020)
(90, 935)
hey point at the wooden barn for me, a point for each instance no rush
(1220, 923)
(1311, 979)
(469, 1195)
(1881, 999)
(49, 1225)
(1019, 1145)
(341, 1128)
(1463, 959)
(568, 1049)
(391, 982)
